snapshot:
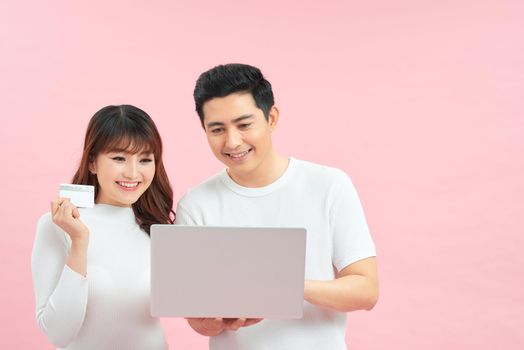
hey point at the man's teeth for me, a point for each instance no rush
(238, 155)
(128, 184)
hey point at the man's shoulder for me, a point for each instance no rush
(202, 191)
(320, 172)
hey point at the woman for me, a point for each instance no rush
(91, 266)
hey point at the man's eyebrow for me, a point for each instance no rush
(236, 120)
(242, 117)
(212, 124)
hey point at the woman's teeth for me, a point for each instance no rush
(127, 184)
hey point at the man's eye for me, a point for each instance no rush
(244, 126)
(119, 159)
(216, 131)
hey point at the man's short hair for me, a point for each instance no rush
(227, 79)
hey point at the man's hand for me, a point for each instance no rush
(215, 326)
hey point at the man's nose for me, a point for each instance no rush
(233, 139)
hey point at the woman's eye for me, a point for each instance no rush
(119, 159)
(146, 160)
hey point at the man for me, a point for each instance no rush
(260, 187)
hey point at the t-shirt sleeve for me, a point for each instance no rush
(351, 238)
(61, 293)
(183, 216)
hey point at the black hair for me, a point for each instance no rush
(227, 79)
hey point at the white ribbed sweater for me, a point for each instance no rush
(107, 309)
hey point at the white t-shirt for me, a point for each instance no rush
(319, 198)
(109, 308)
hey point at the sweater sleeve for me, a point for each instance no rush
(61, 293)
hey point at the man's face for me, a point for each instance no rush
(238, 133)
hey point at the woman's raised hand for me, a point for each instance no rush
(65, 215)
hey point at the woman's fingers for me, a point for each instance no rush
(66, 210)
(55, 205)
(66, 207)
(60, 210)
(66, 216)
(76, 213)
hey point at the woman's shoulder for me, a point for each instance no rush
(45, 221)
(47, 230)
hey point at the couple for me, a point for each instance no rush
(91, 266)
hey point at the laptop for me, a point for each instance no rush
(230, 272)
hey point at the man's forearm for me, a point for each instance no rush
(348, 293)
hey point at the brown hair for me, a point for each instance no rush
(128, 128)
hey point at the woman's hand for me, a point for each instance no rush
(65, 215)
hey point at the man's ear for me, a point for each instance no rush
(273, 118)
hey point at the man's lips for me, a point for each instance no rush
(238, 155)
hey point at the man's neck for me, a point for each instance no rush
(270, 170)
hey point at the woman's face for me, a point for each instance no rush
(123, 177)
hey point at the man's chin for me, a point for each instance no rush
(239, 170)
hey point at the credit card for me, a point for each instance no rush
(82, 196)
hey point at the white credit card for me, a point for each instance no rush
(80, 195)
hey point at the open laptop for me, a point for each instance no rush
(203, 271)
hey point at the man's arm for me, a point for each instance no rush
(214, 326)
(355, 288)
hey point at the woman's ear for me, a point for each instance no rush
(92, 167)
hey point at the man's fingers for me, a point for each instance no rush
(239, 323)
(215, 321)
(252, 321)
(194, 319)
(235, 323)
(232, 324)
(212, 323)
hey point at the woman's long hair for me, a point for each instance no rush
(128, 128)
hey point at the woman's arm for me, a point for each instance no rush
(59, 281)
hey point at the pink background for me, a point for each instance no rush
(421, 102)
